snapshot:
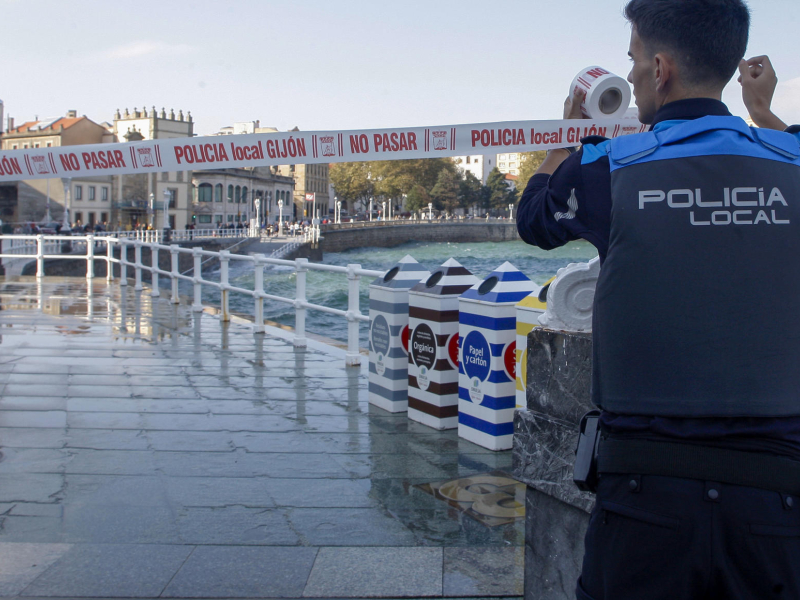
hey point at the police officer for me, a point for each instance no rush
(696, 321)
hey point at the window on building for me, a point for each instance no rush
(217, 218)
(78, 192)
(205, 193)
(468, 159)
(173, 197)
(15, 147)
(36, 145)
(165, 176)
(501, 165)
(49, 144)
(78, 217)
(230, 193)
(179, 176)
(513, 171)
(238, 194)
(92, 192)
(172, 221)
(501, 157)
(91, 218)
(218, 193)
(204, 218)
(104, 194)
(512, 165)
(24, 146)
(104, 218)
(230, 218)
(244, 195)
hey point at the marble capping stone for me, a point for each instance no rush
(543, 455)
(554, 534)
(559, 374)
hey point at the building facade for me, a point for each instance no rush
(140, 198)
(89, 199)
(227, 196)
(480, 166)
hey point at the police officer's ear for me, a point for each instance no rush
(665, 72)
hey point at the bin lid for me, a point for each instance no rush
(451, 279)
(404, 275)
(504, 285)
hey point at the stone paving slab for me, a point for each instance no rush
(149, 451)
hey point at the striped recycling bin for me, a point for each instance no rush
(529, 309)
(487, 371)
(388, 334)
(433, 347)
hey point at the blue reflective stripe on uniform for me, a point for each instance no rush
(490, 401)
(487, 322)
(491, 428)
(592, 153)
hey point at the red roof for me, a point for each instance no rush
(65, 122)
(511, 177)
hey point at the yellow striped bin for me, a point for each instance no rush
(528, 312)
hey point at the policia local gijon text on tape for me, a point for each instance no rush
(313, 147)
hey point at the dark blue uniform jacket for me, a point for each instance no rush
(587, 172)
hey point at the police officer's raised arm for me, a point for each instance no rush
(759, 80)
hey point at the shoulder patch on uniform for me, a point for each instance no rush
(628, 148)
(778, 141)
(593, 152)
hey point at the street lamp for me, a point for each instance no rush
(510, 212)
(151, 209)
(338, 210)
(370, 209)
(383, 212)
(67, 187)
(257, 202)
(167, 197)
(280, 218)
(430, 211)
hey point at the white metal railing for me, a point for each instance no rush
(311, 234)
(301, 266)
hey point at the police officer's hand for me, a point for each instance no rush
(758, 81)
(572, 105)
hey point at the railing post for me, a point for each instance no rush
(39, 256)
(137, 265)
(109, 259)
(300, 303)
(197, 305)
(174, 251)
(89, 256)
(154, 271)
(353, 356)
(224, 259)
(123, 261)
(259, 289)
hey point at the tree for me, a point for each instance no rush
(398, 177)
(353, 182)
(445, 193)
(470, 191)
(500, 195)
(530, 161)
(417, 198)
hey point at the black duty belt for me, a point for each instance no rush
(751, 469)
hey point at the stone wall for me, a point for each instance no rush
(545, 436)
(336, 239)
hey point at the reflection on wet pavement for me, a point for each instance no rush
(125, 420)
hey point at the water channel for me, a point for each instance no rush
(329, 289)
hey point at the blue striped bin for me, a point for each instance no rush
(388, 334)
(433, 347)
(487, 365)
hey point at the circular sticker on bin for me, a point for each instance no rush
(381, 338)
(452, 350)
(476, 357)
(510, 360)
(423, 351)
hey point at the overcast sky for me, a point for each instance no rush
(333, 64)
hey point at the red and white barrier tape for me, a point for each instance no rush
(302, 147)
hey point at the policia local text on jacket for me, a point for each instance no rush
(696, 339)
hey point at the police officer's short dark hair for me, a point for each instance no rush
(708, 38)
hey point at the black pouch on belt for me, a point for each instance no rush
(585, 471)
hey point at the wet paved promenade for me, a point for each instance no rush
(152, 452)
